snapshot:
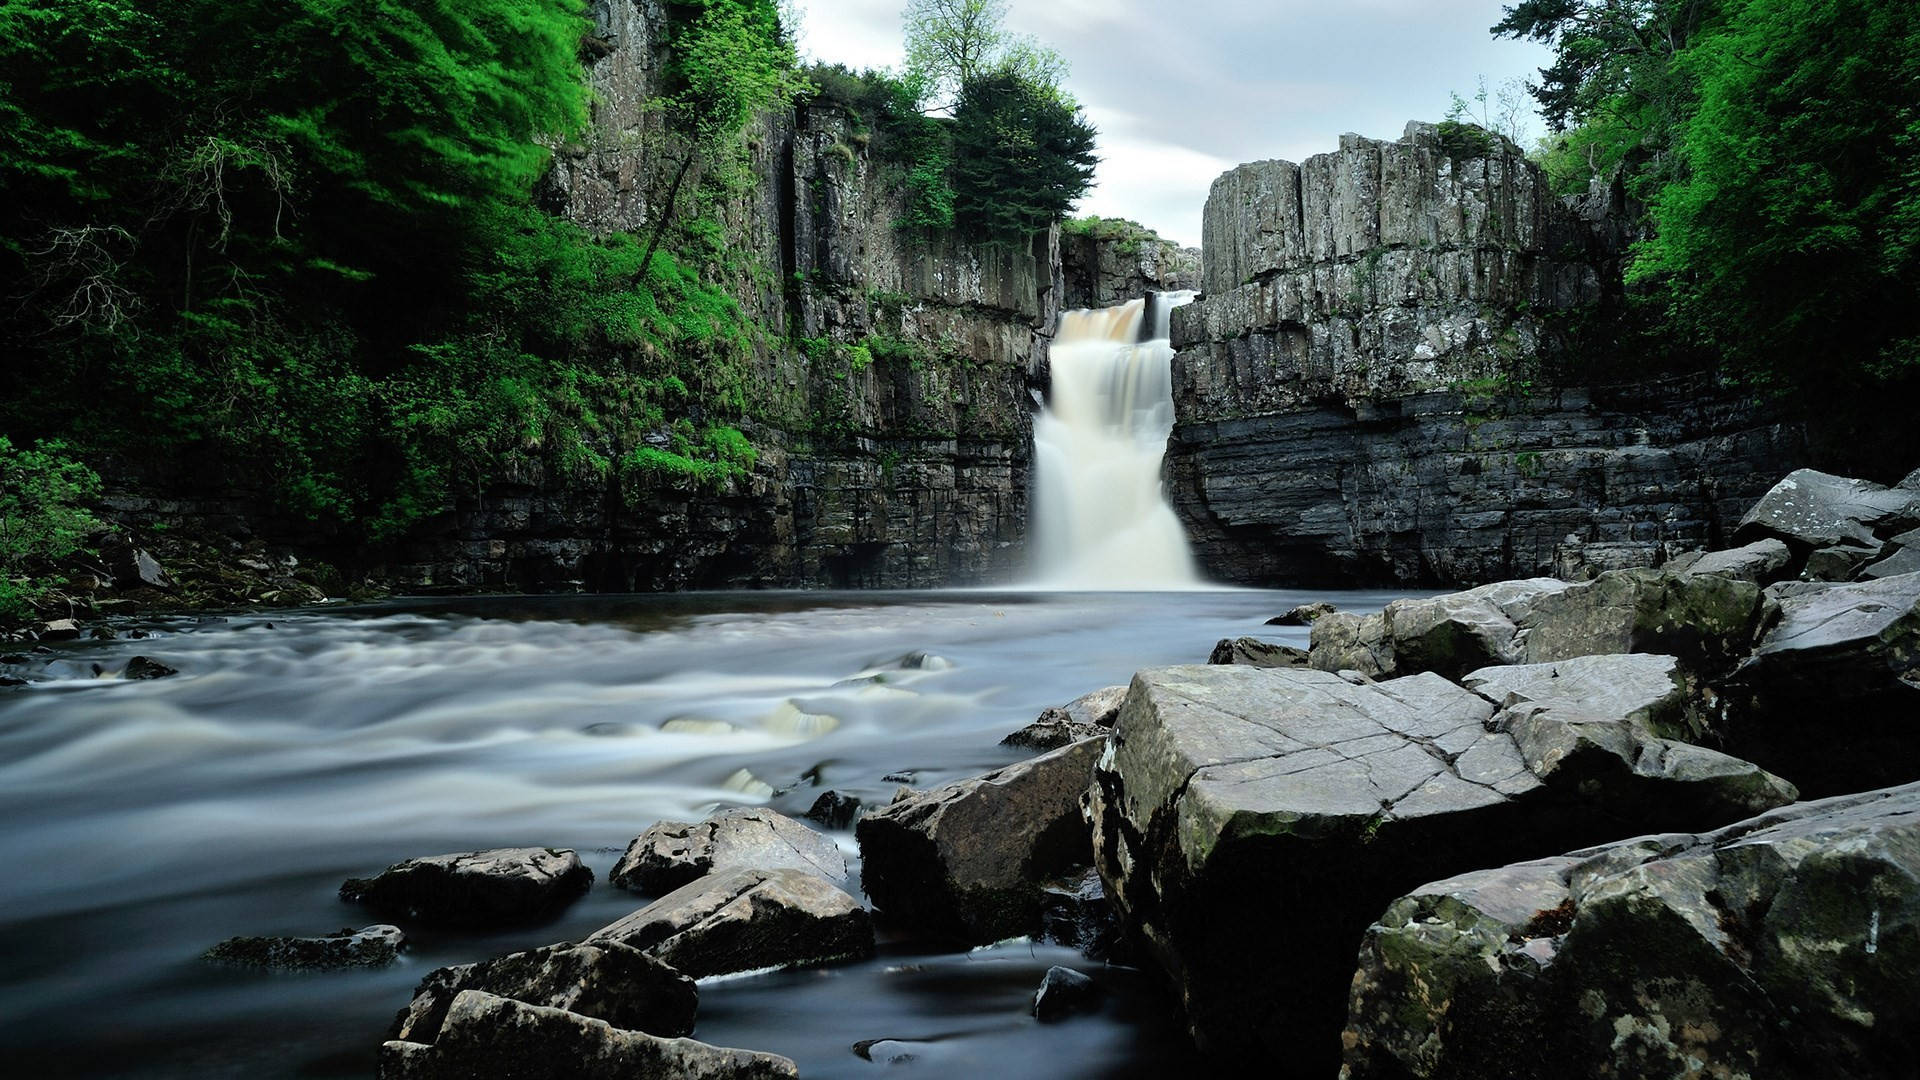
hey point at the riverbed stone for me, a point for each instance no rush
(1256, 653)
(146, 667)
(1347, 641)
(1762, 562)
(834, 809)
(1085, 717)
(1303, 614)
(746, 919)
(605, 980)
(1064, 992)
(497, 887)
(486, 1035)
(673, 853)
(1780, 946)
(1248, 823)
(966, 860)
(1455, 633)
(1708, 620)
(367, 947)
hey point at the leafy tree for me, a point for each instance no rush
(43, 516)
(1791, 245)
(950, 43)
(1021, 156)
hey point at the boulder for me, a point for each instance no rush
(673, 853)
(1248, 823)
(1085, 717)
(966, 859)
(1344, 641)
(605, 980)
(490, 1036)
(499, 887)
(367, 947)
(1812, 510)
(1064, 992)
(1708, 620)
(1303, 615)
(146, 667)
(834, 809)
(745, 920)
(133, 567)
(1256, 653)
(60, 630)
(1900, 555)
(1762, 562)
(1455, 633)
(1829, 696)
(1074, 912)
(1780, 946)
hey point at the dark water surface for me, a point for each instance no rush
(141, 822)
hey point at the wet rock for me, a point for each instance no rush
(145, 667)
(888, 1051)
(1303, 615)
(499, 887)
(673, 853)
(490, 1036)
(1708, 620)
(605, 980)
(1256, 653)
(1085, 717)
(966, 859)
(1762, 562)
(1348, 642)
(368, 947)
(1780, 946)
(1064, 992)
(1829, 696)
(12, 680)
(1074, 912)
(133, 567)
(834, 809)
(1455, 633)
(1810, 510)
(745, 920)
(60, 630)
(1249, 822)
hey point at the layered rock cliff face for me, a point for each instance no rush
(887, 394)
(1109, 262)
(1360, 390)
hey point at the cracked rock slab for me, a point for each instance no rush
(498, 887)
(1248, 823)
(1783, 945)
(604, 980)
(673, 853)
(486, 1035)
(967, 859)
(746, 920)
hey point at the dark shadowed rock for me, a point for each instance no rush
(1780, 946)
(834, 809)
(1901, 555)
(967, 859)
(1762, 562)
(1256, 653)
(1074, 912)
(60, 630)
(367, 947)
(1911, 483)
(1303, 615)
(1064, 992)
(499, 887)
(1250, 822)
(672, 853)
(605, 980)
(744, 920)
(145, 667)
(1085, 717)
(489, 1036)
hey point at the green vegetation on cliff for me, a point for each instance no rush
(1776, 147)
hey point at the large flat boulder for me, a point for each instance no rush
(474, 889)
(1705, 619)
(967, 859)
(1781, 946)
(1762, 562)
(367, 947)
(673, 853)
(605, 980)
(1812, 511)
(745, 920)
(485, 1035)
(1250, 822)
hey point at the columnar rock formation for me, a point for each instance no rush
(1361, 391)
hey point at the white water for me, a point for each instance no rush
(1100, 517)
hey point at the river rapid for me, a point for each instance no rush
(141, 822)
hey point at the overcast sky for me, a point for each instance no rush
(1184, 90)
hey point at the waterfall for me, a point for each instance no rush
(1100, 518)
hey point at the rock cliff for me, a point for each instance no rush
(1104, 262)
(1362, 395)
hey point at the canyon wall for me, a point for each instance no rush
(1363, 393)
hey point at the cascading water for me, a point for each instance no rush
(1100, 518)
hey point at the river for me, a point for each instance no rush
(141, 822)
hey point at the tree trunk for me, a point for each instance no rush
(666, 214)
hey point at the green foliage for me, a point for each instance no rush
(1128, 237)
(1021, 156)
(43, 517)
(951, 43)
(1791, 244)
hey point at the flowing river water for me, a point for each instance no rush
(141, 822)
